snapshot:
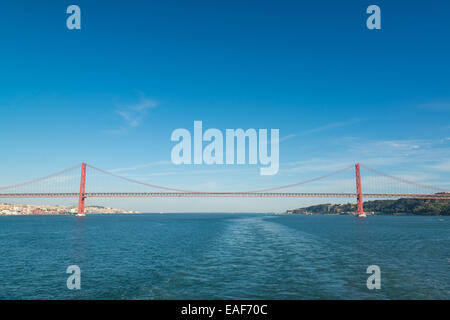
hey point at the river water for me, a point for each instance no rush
(224, 256)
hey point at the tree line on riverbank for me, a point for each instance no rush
(431, 207)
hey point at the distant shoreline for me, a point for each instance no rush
(374, 214)
(64, 214)
(409, 207)
(224, 213)
(9, 209)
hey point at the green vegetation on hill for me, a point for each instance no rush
(400, 206)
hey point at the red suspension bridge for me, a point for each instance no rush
(431, 192)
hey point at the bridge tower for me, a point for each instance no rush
(82, 196)
(359, 189)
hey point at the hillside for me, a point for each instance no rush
(391, 207)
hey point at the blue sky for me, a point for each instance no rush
(111, 93)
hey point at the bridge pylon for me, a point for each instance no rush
(359, 198)
(82, 195)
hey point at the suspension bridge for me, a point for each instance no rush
(420, 191)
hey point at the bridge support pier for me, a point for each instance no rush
(82, 196)
(359, 198)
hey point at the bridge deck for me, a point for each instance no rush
(222, 194)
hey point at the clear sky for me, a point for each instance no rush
(111, 93)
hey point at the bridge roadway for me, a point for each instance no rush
(224, 194)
